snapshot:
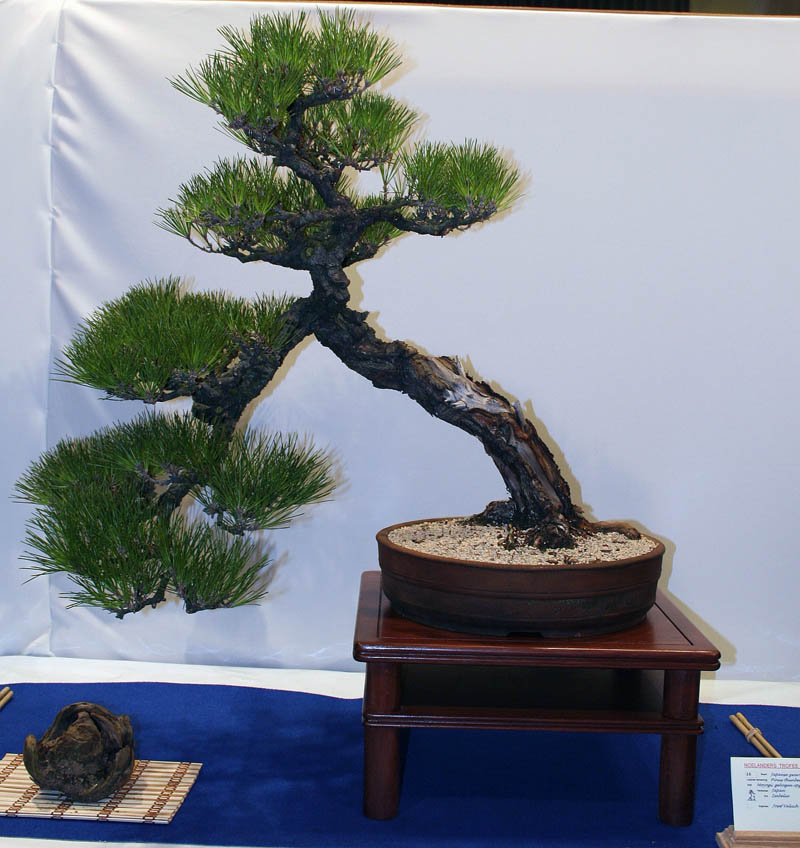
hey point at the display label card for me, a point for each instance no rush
(766, 793)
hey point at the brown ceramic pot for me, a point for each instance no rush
(491, 598)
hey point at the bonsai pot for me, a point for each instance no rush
(500, 599)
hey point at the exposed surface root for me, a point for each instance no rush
(545, 533)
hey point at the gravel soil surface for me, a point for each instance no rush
(459, 539)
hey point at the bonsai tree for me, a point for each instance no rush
(302, 100)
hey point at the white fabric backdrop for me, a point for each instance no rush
(640, 301)
(28, 35)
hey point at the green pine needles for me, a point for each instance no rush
(257, 79)
(157, 341)
(303, 99)
(262, 481)
(106, 510)
(469, 177)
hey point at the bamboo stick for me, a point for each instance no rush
(82, 809)
(758, 735)
(744, 731)
(755, 739)
(79, 809)
(51, 794)
(133, 819)
(5, 696)
(33, 809)
(24, 781)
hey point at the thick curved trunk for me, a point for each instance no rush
(540, 495)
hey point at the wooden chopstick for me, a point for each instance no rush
(737, 723)
(5, 696)
(753, 735)
(758, 735)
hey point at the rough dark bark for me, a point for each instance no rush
(221, 399)
(539, 493)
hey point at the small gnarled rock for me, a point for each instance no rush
(86, 753)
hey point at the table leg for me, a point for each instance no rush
(678, 751)
(381, 744)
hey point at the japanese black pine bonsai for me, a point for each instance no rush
(302, 100)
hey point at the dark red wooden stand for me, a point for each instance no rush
(642, 680)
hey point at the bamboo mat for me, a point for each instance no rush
(152, 794)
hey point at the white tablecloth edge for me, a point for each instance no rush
(335, 684)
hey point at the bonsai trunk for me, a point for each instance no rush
(540, 497)
(221, 399)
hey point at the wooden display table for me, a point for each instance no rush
(642, 680)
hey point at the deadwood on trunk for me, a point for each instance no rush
(540, 497)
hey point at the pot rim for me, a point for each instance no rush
(383, 539)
